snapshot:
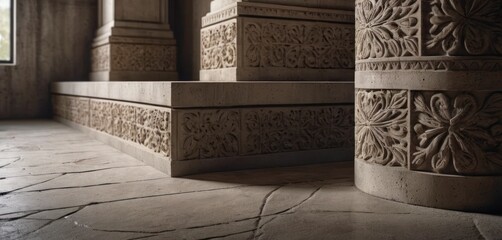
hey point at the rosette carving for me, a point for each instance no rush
(387, 28)
(459, 136)
(381, 127)
(469, 27)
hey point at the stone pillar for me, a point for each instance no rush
(134, 42)
(429, 102)
(258, 40)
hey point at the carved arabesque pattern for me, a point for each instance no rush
(381, 126)
(284, 130)
(147, 126)
(210, 134)
(296, 45)
(387, 28)
(469, 27)
(219, 46)
(459, 136)
(143, 58)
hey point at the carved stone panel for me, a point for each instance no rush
(387, 28)
(205, 134)
(457, 28)
(382, 127)
(288, 44)
(282, 130)
(239, 44)
(457, 132)
(219, 46)
(432, 35)
(141, 124)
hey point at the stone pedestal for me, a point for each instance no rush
(134, 42)
(185, 128)
(429, 102)
(265, 41)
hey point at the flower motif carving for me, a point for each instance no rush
(210, 134)
(458, 137)
(387, 28)
(469, 27)
(298, 45)
(381, 127)
(219, 46)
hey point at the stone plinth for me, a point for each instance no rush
(428, 102)
(192, 127)
(266, 41)
(134, 42)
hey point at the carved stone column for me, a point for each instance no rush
(258, 40)
(134, 42)
(429, 102)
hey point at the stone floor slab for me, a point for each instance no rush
(68, 186)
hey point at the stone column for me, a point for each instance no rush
(134, 42)
(429, 102)
(258, 40)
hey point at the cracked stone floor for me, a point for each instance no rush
(57, 183)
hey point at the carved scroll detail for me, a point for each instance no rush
(219, 46)
(294, 45)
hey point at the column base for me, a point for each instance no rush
(462, 193)
(184, 128)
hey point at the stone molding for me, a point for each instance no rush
(198, 134)
(277, 11)
(432, 64)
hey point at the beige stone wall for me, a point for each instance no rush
(53, 44)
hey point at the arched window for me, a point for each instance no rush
(6, 31)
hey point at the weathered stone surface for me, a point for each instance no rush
(309, 202)
(428, 101)
(18, 229)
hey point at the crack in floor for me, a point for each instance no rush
(76, 172)
(289, 210)
(31, 185)
(478, 229)
(262, 208)
(92, 185)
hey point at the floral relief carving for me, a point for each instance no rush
(381, 127)
(147, 126)
(387, 28)
(219, 46)
(469, 27)
(209, 134)
(458, 135)
(143, 58)
(297, 45)
(285, 130)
